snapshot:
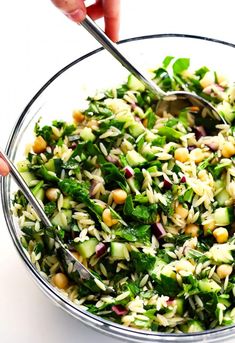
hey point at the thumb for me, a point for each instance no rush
(73, 9)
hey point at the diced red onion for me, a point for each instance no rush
(158, 230)
(129, 172)
(191, 147)
(183, 179)
(170, 302)
(73, 145)
(119, 310)
(137, 119)
(199, 132)
(112, 159)
(100, 249)
(213, 88)
(92, 187)
(213, 146)
(167, 184)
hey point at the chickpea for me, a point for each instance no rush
(203, 175)
(197, 155)
(78, 116)
(228, 150)
(192, 229)
(77, 255)
(145, 122)
(181, 154)
(119, 196)
(107, 218)
(210, 226)
(60, 280)
(52, 194)
(221, 235)
(181, 211)
(39, 145)
(224, 270)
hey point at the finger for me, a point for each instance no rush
(112, 18)
(4, 169)
(73, 9)
(96, 11)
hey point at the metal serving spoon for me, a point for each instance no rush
(77, 266)
(174, 100)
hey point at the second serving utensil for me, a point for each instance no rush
(174, 100)
(68, 257)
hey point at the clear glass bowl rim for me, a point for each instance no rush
(99, 324)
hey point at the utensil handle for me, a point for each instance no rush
(101, 37)
(26, 191)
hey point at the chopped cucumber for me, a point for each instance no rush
(208, 285)
(62, 219)
(117, 250)
(223, 216)
(87, 135)
(222, 197)
(220, 253)
(180, 304)
(134, 158)
(66, 203)
(136, 129)
(28, 177)
(40, 194)
(22, 166)
(192, 326)
(134, 84)
(87, 248)
(54, 165)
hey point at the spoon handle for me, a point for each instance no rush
(111, 47)
(68, 257)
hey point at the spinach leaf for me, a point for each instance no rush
(113, 176)
(128, 206)
(142, 262)
(45, 132)
(167, 286)
(170, 134)
(151, 118)
(50, 208)
(145, 214)
(180, 65)
(135, 233)
(167, 60)
(80, 193)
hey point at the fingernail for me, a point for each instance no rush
(78, 15)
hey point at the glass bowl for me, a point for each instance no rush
(66, 91)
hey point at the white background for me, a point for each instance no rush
(35, 42)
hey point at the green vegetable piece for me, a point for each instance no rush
(208, 285)
(180, 65)
(87, 135)
(223, 216)
(134, 158)
(192, 326)
(62, 219)
(134, 84)
(136, 129)
(167, 60)
(87, 248)
(28, 177)
(118, 251)
(142, 262)
(170, 133)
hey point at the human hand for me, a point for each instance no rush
(109, 9)
(4, 169)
